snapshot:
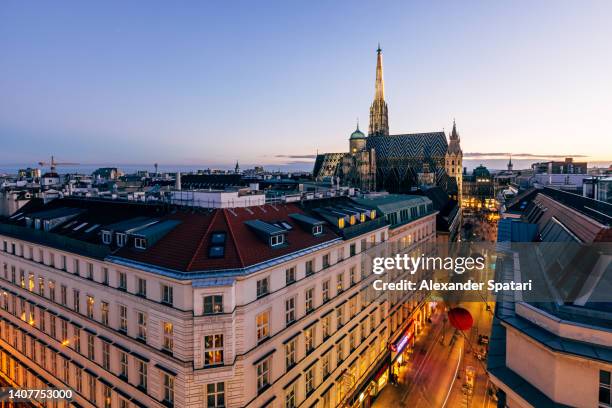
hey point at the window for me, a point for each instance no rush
(326, 261)
(77, 340)
(309, 380)
(309, 300)
(142, 325)
(91, 347)
(290, 275)
(352, 275)
(340, 316)
(52, 332)
(276, 240)
(90, 271)
(325, 365)
(604, 389)
(92, 388)
(41, 286)
(290, 397)
(64, 295)
(104, 316)
(325, 290)
(317, 230)
(263, 375)
(105, 276)
(290, 310)
(64, 330)
(121, 239)
(340, 352)
(64, 263)
(123, 365)
(141, 368)
(353, 250)
(263, 287)
(290, 354)
(213, 349)
(340, 282)
(168, 388)
(215, 395)
(309, 267)
(76, 300)
(78, 375)
(122, 278)
(262, 322)
(106, 237)
(167, 294)
(76, 266)
(140, 243)
(52, 291)
(123, 318)
(309, 339)
(90, 307)
(142, 287)
(213, 304)
(352, 340)
(123, 403)
(105, 355)
(326, 322)
(168, 336)
(66, 371)
(106, 390)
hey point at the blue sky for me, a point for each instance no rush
(214, 82)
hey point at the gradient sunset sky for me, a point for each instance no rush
(205, 82)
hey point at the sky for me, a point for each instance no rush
(211, 82)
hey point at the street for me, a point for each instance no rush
(444, 369)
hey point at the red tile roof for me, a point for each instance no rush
(185, 248)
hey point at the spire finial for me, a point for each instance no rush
(379, 50)
(358, 123)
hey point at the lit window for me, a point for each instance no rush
(213, 304)
(168, 336)
(263, 325)
(213, 349)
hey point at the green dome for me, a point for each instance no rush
(357, 134)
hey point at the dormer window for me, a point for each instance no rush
(140, 243)
(121, 239)
(37, 223)
(107, 237)
(317, 230)
(276, 240)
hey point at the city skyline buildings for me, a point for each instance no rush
(85, 84)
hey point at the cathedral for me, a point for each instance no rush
(398, 163)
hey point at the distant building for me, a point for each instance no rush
(107, 173)
(478, 188)
(395, 163)
(568, 166)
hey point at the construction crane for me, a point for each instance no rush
(53, 164)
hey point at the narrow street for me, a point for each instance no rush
(436, 375)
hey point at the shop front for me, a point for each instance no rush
(363, 396)
(401, 350)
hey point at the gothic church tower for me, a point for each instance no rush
(379, 121)
(454, 161)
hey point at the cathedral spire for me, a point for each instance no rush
(379, 123)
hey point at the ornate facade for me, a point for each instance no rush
(396, 163)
